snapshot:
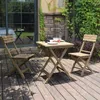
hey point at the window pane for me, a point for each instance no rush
(2, 13)
(14, 7)
(14, 17)
(27, 18)
(27, 7)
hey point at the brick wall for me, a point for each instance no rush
(55, 25)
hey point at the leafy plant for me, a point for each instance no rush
(82, 17)
(87, 17)
(56, 19)
(41, 22)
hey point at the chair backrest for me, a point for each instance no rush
(86, 39)
(90, 38)
(6, 40)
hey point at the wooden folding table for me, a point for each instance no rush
(50, 49)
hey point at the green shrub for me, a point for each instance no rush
(41, 23)
(82, 17)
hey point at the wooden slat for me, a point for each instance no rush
(23, 56)
(81, 91)
(89, 84)
(88, 89)
(55, 93)
(80, 86)
(7, 39)
(77, 88)
(92, 80)
(85, 51)
(96, 77)
(75, 84)
(65, 94)
(79, 54)
(16, 88)
(91, 38)
(26, 93)
(59, 45)
(44, 91)
(6, 85)
(51, 88)
(34, 89)
(58, 88)
(67, 87)
(70, 89)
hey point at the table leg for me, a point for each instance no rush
(30, 39)
(51, 72)
(44, 67)
(18, 37)
(59, 61)
(55, 64)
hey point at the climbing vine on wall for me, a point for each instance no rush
(82, 17)
(41, 24)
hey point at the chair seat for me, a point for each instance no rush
(19, 60)
(79, 54)
(23, 56)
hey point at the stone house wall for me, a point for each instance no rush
(55, 25)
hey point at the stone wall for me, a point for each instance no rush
(55, 25)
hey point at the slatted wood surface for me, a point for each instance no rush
(7, 39)
(58, 88)
(88, 37)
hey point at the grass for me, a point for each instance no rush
(25, 34)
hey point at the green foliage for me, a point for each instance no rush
(82, 17)
(67, 11)
(41, 23)
(57, 19)
(2, 13)
(20, 6)
(87, 16)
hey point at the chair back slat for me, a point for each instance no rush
(85, 51)
(7, 39)
(90, 38)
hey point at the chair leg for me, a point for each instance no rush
(20, 72)
(18, 69)
(82, 73)
(90, 69)
(86, 66)
(73, 66)
(12, 71)
(28, 68)
(83, 70)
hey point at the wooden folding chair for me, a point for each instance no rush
(84, 55)
(22, 58)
